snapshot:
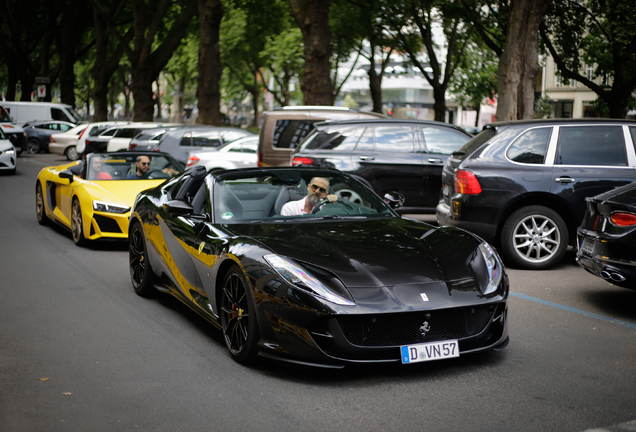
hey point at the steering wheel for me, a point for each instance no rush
(349, 195)
(322, 203)
(156, 174)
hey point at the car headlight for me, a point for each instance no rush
(109, 208)
(10, 151)
(300, 278)
(486, 267)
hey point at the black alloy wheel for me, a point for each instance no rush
(140, 271)
(238, 318)
(76, 223)
(534, 238)
(40, 211)
(33, 146)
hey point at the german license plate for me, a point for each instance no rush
(429, 351)
(587, 246)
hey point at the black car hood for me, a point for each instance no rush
(371, 253)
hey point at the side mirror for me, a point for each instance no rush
(395, 200)
(178, 208)
(66, 174)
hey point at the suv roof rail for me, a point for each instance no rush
(315, 107)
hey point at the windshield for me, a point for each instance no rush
(125, 167)
(4, 116)
(283, 196)
(76, 117)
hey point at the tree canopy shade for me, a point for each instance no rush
(598, 35)
(150, 53)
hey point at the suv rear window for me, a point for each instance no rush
(289, 133)
(441, 141)
(334, 139)
(591, 145)
(531, 146)
(471, 146)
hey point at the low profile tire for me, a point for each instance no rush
(33, 146)
(71, 153)
(534, 238)
(76, 224)
(238, 317)
(40, 211)
(141, 274)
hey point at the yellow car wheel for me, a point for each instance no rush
(76, 224)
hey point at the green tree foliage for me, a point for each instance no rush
(414, 24)
(475, 79)
(597, 33)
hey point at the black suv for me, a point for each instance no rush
(522, 185)
(387, 154)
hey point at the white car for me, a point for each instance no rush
(241, 153)
(8, 154)
(65, 144)
(94, 129)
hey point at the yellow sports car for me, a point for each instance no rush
(93, 197)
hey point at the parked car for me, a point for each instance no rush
(92, 198)
(93, 130)
(38, 134)
(387, 154)
(345, 284)
(116, 138)
(65, 143)
(180, 142)
(12, 131)
(237, 154)
(23, 112)
(607, 237)
(285, 128)
(8, 155)
(522, 185)
(148, 139)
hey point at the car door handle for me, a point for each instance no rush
(367, 158)
(435, 161)
(564, 180)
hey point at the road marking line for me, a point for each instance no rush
(578, 311)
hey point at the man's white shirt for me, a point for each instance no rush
(294, 208)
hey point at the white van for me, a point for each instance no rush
(23, 112)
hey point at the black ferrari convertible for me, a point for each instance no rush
(334, 277)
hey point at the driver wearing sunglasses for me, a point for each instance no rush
(317, 190)
(143, 165)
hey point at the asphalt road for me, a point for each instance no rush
(79, 351)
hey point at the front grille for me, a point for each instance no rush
(404, 328)
(107, 224)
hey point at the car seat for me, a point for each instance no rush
(290, 193)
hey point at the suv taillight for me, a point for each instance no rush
(259, 162)
(302, 161)
(51, 139)
(466, 183)
(132, 146)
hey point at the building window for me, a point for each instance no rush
(589, 72)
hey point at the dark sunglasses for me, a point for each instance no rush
(316, 187)
(145, 163)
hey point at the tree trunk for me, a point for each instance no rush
(142, 79)
(439, 94)
(208, 90)
(518, 65)
(312, 16)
